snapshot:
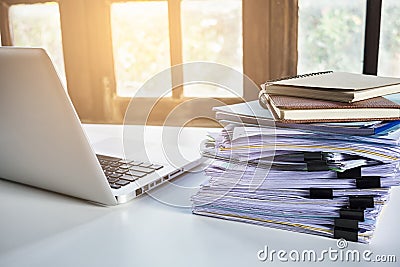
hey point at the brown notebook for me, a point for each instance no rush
(334, 86)
(302, 110)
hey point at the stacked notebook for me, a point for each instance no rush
(331, 97)
(334, 86)
(318, 177)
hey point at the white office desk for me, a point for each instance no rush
(40, 228)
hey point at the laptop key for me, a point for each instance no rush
(129, 178)
(156, 166)
(141, 169)
(145, 164)
(112, 180)
(121, 171)
(115, 164)
(122, 182)
(135, 163)
(115, 175)
(136, 173)
(102, 157)
(115, 186)
(125, 166)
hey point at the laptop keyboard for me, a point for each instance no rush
(120, 172)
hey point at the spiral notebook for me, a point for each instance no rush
(334, 86)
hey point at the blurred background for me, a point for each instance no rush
(105, 50)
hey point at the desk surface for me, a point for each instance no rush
(40, 228)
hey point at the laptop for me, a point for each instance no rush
(43, 144)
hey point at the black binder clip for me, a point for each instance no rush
(352, 214)
(321, 193)
(361, 202)
(346, 223)
(366, 182)
(348, 234)
(312, 156)
(350, 173)
(317, 165)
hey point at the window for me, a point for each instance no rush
(212, 31)
(38, 25)
(140, 43)
(389, 48)
(109, 48)
(331, 35)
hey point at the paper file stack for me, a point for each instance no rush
(316, 182)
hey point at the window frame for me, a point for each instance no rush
(372, 36)
(268, 53)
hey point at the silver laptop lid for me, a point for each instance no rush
(41, 139)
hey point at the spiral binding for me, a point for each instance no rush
(262, 96)
(297, 76)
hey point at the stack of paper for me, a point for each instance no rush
(251, 113)
(315, 182)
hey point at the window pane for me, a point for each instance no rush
(140, 43)
(212, 31)
(38, 25)
(389, 48)
(331, 35)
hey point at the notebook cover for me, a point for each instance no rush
(293, 103)
(263, 99)
(337, 80)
